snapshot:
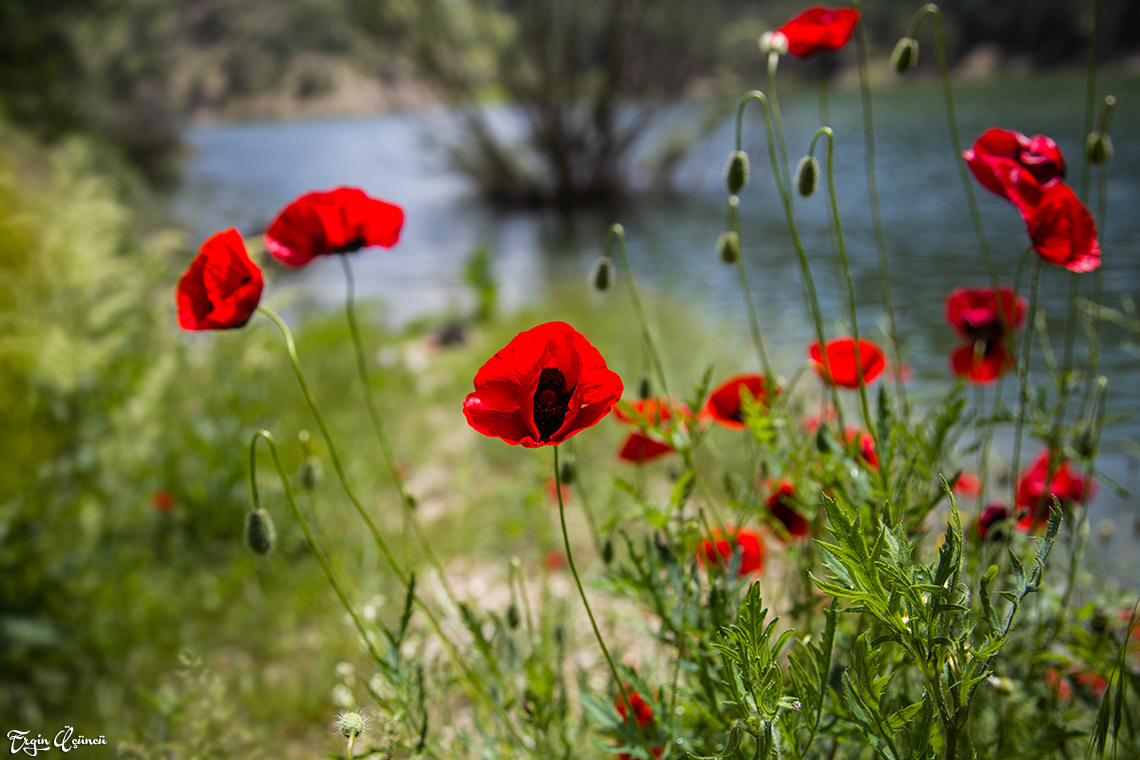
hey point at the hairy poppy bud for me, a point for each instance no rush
(821, 443)
(311, 472)
(1098, 148)
(807, 175)
(566, 473)
(513, 616)
(737, 172)
(728, 246)
(260, 535)
(604, 274)
(905, 55)
(1085, 443)
(644, 389)
(774, 42)
(608, 551)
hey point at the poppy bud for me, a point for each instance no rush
(513, 616)
(1085, 444)
(821, 443)
(260, 535)
(559, 635)
(905, 55)
(311, 472)
(644, 390)
(608, 551)
(1098, 148)
(774, 42)
(1099, 622)
(737, 172)
(603, 274)
(566, 473)
(807, 175)
(728, 246)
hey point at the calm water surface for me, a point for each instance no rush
(242, 174)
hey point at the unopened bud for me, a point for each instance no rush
(260, 535)
(351, 724)
(737, 172)
(566, 473)
(774, 42)
(311, 472)
(608, 551)
(905, 55)
(513, 616)
(1085, 444)
(1098, 148)
(603, 275)
(807, 175)
(644, 389)
(821, 443)
(728, 246)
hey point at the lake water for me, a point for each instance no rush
(242, 174)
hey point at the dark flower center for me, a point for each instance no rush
(551, 402)
(351, 246)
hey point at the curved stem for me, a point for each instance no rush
(617, 232)
(586, 602)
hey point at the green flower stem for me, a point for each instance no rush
(777, 120)
(746, 289)
(406, 499)
(1023, 370)
(824, 115)
(826, 132)
(586, 602)
(584, 498)
(808, 283)
(1098, 274)
(617, 232)
(291, 347)
(876, 207)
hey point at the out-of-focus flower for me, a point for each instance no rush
(326, 222)
(1034, 498)
(816, 30)
(782, 504)
(718, 549)
(222, 287)
(724, 404)
(843, 365)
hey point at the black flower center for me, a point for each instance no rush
(551, 402)
(351, 246)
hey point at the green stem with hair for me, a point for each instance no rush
(1023, 384)
(746, 289)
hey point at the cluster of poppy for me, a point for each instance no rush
(222, 287)
(986, 319)
(1035, 492)
(1029, 172)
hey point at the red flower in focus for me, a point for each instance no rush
(718, 550)
(222, 287)
(819, 29)
(332, 221)
(991, 520)
(866, 445)
(544, 386)
(843, 364)
(986, 319)
(162, 501)
(781, 503)
(1063, 230)
(724, 405)
(1014, 166)
(650, 415)
(1032, 500)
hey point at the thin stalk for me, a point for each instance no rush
(586, 602)
(745, 288)
(876, 207)
(1023, 370)
(407, 501)
(617, 232)
(824, 115)
(1098, 274)
(584, 498)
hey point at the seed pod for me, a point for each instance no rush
(1098, 148)
(728, 246)
(807, 175)
(603, 275)
(737, 172)
(905, 55)
(260, 534)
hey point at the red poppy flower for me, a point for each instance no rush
(975, 313)
(222, 287)
(718, 550)
(544, 386)
(162, 501)
(1063, 231)
(981, 363)
(1014, 166)
(968, 484)
(640, 448)
(818, 29)
(655, 418)
(865, 444)
(724, 405)
(781, 503)
(1059, 684)
(1032, 500)
(844, 366)
(332, 221)
(991, 519)
(641, 709)
(1094, 682)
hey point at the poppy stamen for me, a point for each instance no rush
(551, 402)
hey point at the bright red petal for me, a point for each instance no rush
(639, 448)
(818, 29)
(980, 367)
(1063, 231)
(843, 363)
(724, 404)
(221, 288)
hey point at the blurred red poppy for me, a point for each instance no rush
(981, 363)
(781, 503)
(655, 418)
(162, 501)
(639, 448)
(332, 221)
(642, 712)
(967, 484)
(819, 29)
(975, 313)
(724, 404)
(1067, 485)
(222, 287)
(992, 519)
(844, 366)
(544, 386)
(1016, 167)
(865, 446)
(718, 550)
(1063, 230)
